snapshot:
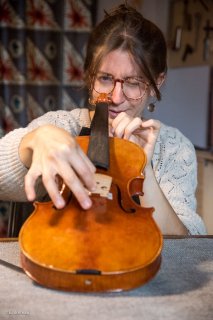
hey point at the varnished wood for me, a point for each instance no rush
(101, 249)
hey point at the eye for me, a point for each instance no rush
(104, 78)
(132, 82)
(135, 82)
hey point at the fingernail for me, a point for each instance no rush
(86, 204)
(60, 203)
(93, 189)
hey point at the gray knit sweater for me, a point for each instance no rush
(174, 164)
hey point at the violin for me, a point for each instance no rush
(113, 246)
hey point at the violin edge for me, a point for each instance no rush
(89, 283)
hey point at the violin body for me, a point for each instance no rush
(114, 246)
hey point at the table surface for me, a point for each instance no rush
(182, 289)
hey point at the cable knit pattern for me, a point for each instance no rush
(174, 164)
(12, 171)
(175, 167)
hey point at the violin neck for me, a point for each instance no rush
(98, 150)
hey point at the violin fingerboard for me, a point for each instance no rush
(98, 150)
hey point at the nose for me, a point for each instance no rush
(117, 93)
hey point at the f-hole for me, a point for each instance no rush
(120, 201)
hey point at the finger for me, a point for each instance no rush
(151, 123)
(114, 122)
(111, 133)
(87, 160)
(79, 191)
(132, 127)
(110, 120)
(29, 183)
(52, 188)
(73, 183)
(110, 129)
(119, 124)
(84, 168)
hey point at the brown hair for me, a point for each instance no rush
(125, 28)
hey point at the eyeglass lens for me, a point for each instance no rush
(132, 87)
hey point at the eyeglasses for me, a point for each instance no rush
(133, 87)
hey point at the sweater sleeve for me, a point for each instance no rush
(72, 121)
(176, 172)
(12, 170)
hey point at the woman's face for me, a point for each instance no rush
(119, 65)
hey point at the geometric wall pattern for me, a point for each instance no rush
(42, 50)
(42, 47)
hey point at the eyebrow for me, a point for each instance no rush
(123, 78)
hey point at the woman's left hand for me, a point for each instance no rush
(142, 132)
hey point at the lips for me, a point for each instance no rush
(114, 113)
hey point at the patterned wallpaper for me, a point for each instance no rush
(42, 48)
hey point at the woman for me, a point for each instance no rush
(126, 58)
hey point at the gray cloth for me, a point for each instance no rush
(182, 289)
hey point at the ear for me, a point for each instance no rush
(160, 80)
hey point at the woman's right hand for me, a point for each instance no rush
(49, 152)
